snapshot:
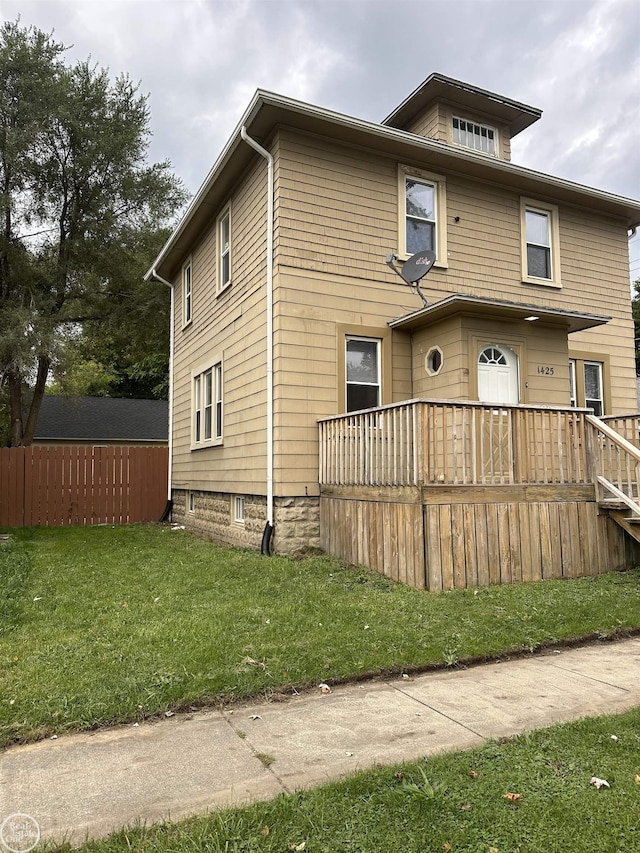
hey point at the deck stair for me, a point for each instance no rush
(619, 491)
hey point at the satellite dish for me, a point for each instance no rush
(418, 265)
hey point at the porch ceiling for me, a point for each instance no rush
(573, 321)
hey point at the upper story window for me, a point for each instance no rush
(206, 405)
(540, 243)
(187, 295)
(480, 137)
(362, 373)
(422, 213)
(224, 249)
(537, 223)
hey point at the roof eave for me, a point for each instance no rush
(277, 109)
(573, 321)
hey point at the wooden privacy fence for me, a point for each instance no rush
(431, 442)
(60, 486)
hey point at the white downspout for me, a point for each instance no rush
(155, 275)
(270, 194)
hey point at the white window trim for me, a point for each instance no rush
(550, 210)
(439, 183)
(187, 296)
(216, 366)
(482, 126)
(238, 509)
(378, 384)
(220, 287)
(600, 366)
(573, 397)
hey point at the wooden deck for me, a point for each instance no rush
(443, 494)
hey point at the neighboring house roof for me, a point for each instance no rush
(267, 111)
(102, 419)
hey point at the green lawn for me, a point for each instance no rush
(102, 625)
(453, 803)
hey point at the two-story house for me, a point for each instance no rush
(285, 313)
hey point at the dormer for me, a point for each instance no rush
(463, 115)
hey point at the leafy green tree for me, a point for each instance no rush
(78, 202)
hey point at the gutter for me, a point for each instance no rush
(154, 274)
(268, 531)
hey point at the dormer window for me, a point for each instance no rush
(480, 137)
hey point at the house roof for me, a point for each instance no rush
(437, 87)
(573, 321)
(267, 111)
(102, 419)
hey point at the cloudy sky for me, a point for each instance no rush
(201, 60)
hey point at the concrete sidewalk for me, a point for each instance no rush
(91, 784)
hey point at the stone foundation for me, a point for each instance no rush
(296, 520)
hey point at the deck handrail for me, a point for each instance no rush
(616, 463)
(425, 442)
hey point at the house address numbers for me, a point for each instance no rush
(545, 370)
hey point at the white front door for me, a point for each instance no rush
(498, 375)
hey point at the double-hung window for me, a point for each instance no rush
(207, 406)
(362, 362)
(586, 384)
(224, 249)
(187, 296)
(422, 214)
(593, 398)
(540, 243)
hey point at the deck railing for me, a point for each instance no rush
(616, 458)
(444, 442)
(628, 426)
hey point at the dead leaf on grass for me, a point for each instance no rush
(297, 848)
(466, 807)
(447, 847)
(599, 783)
(264, 831)
(636, 779)
(473, 774)
(513, 798)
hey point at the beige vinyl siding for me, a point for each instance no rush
(231, 323)
(337, 215)
(450, 383)
(310, 308)
(431, 123)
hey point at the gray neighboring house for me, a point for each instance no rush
(102, 421)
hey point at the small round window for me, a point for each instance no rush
(433, 361)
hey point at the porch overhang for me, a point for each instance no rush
(572, 321)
